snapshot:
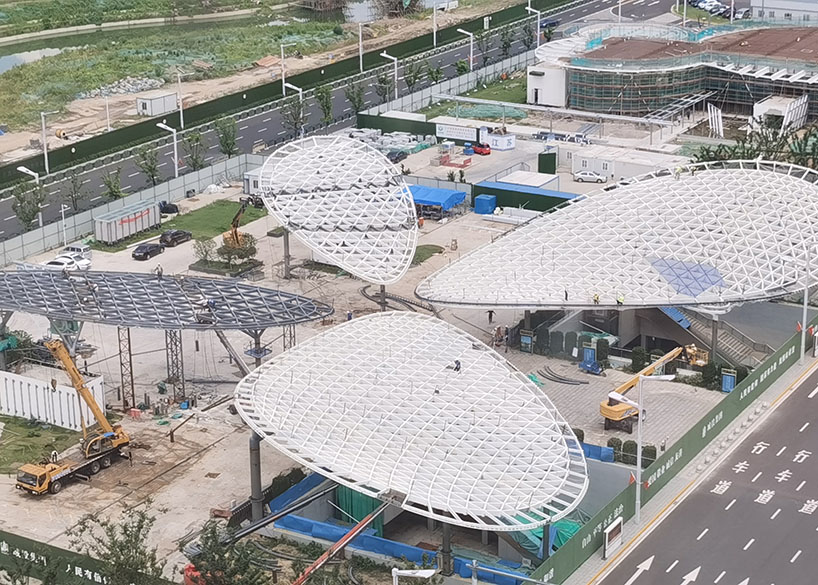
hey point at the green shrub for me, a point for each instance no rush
(571, 342)
(602, 352)
(580, 435)
(338, 30)
(555, 343)
(741, 373)
(710, 374)
(639, 358)
(648, 455)
(581, 342)
(615, 443)
(629, 452)
(541, 341)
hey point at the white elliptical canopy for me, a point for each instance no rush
(377, 404)
(707, 234)
(346, 202)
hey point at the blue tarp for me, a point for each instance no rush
(676, 315)
(445, 198)
(526, 189)
(597, 452)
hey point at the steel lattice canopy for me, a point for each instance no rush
(142, 300)
(709, 235)
(345, 201)
(377, 404)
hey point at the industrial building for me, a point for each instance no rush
(787, 10)
(664, 72)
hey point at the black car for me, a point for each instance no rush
(396, 156)
(174, 237)
(145, 251)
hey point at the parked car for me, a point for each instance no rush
(550, 23)
(174, 237)
(483, 149)
(395, 156)
(589, 177)
(83, 250)
(63, 263)
(145, 251)
(82, 262)
(743, 13)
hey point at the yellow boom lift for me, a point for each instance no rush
(99, 447)
(621, 415)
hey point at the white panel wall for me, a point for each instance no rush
(26, 397)
(546, 86)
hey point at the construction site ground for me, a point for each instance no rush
(207, 466)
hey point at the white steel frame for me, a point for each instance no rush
(740, 230)
(346, 202)
(376, 404)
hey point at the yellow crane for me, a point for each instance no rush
(98, 446)
(617, 414)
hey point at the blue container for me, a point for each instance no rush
(184, 405)
(485, 204)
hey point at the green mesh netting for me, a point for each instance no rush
(487, 111)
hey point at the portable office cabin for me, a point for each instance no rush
(117, 225)
(156, 103)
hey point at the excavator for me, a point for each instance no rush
(233, 237)
(619, 415)
(99, 446)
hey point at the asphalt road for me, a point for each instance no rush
(753, 521)
(266, 128)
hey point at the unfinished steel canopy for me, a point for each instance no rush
(708, 235)
(346, 202)
(411, 410)
(142, 300)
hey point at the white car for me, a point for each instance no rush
(68, 262)
(589, 177)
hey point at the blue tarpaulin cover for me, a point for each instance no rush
(527, 189)
(445, 198)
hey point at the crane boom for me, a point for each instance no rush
(60, 353)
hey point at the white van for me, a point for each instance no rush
(81, 249)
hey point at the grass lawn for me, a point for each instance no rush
(206, 222)
(424, 252)
(509, 90)
(23, 442)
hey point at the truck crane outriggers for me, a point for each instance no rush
(99, 447)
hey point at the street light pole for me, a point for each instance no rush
(45, 143)
(30, 173)
(471, 46)
(639, 455)
(434, 23)
(283, 74)
(539, 17)
(361, 47)
(181, 103)
(175, 148)
(386, 55)
(805, 307)
(107, 114)
(63, 207)
(300, 101)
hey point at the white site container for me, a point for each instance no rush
(156, 103)
(117, 225)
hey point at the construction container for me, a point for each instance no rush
(485, 204)
(156, 103)
(117, 225)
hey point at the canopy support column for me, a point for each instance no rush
(382, 298)
(126, 368)
(286, 254)
(527, 320)
(175, 362)
(446, 560)
(256, 495)
(289, 337)
(4, 320)
(714, 337)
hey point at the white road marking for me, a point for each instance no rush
(126, 187)
(780, 451)
(795, 556)
(133, 174)
(97, 197)
(100, 186)
(749, 543)
(638, 2)
(776, 513)
(282, 132)
(244, 127)
(800, 485)
(263, 130)
(813, 393)
(212, 147)
(266, 119)
(346, 110)
(9, 218)
(161, 165)
(757, 475)
(654, 3)
(44, 205)
(730, 505)
(722, 574)
(801, 430)
(673, 564)
(86, 181)
(239, 137)
(702, 534)
(208, 158)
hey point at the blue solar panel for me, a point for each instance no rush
(688, 278)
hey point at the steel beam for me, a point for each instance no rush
(175, 362)
(126, 367)
(289, 337)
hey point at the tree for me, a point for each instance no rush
(226, 132)
(27, 203)
(434, 72)
(19, 573)
(548, 34)
(293, 115)
(639, 358)
(122, 544)
(222, 563)
(506, 40)
(113, 184)
(462, 67)
(74, 191)
(412, 73)
(384, 86)
(195, 150)
(483, 41)
(147, 161)
(248, 249)
(323, 95)
(228, 254)
(354, 92)
(204, 249)
(528, 38)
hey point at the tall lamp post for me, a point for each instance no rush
(63, 209)
(434, 23)
(45, 143)
(301, 101)
(539, 18)
(386, 55)
(283, 83)
(804, 312)
(175, 147)
(471, 46)
(179, 76)
(36, 176)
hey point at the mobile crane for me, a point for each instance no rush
(621, 415)
(99, 447)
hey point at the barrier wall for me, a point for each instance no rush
(589, 538)
(27, 397)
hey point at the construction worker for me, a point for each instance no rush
(620, 299)
(349, 315)
(596, 298)
(491, 315)
(158, 270)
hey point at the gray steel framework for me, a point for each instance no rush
(126, 367)
(140, 300)
(176, 364)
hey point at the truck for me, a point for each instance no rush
(99, 447)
